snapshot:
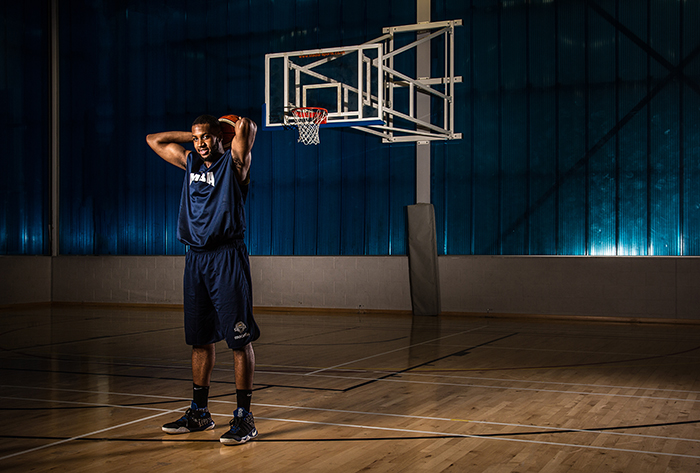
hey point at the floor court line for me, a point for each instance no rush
(85, 403)
(504, 388)
(584, 352)
(77, 437)
(481, 437)
(418, 374)
(374, 414)
(86, 391)
(355, 426)
(505, 380)
(481, 422)
(394, 351)
(612, 386)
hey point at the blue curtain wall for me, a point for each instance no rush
(581, 130)
(579, 121)
(132, 68)
(24, 128)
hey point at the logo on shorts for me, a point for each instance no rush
(240, 327)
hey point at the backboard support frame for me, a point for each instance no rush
(387, 120)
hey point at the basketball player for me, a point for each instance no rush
(217, 286)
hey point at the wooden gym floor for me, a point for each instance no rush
(87, 389)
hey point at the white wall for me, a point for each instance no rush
(290, 282)
(629, 287)
(25, 279)
(626, 287)
(340, 282)
(118, 279)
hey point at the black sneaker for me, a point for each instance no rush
(194, 420)
(242, 428)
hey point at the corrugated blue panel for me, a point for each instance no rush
(259, 204)
(664, 210)
(77, 229)
(514, 123)
(486, 238)
(452, 161)
(357, 19)
(156, 68)
(632, 185)
(601, 137)
(690, 132)
(542, 44)
(664, 179)
(572, 197)
(306, 200)
(691, 173)
(352, 194)
(453, 189)
(632, 138)
(515, 165)
(24, 127)
(110, 204)
(378, 202)
(571, 190)
(329, 179)
(282, 187)
(664, 39)
(259, 232)
(402, 190)
(438, 186)
(575, 141)
(542, 202)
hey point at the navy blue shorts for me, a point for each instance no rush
(218, 297)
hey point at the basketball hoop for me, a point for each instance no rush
(307, 120)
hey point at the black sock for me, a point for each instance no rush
(243, 397)
(200, 395)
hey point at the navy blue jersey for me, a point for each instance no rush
(212, 209)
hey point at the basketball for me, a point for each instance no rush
(228, 128)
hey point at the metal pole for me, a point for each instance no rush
(422, 110)
(422, 245)
(54, 124)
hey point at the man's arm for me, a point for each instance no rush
(167, 146)
(242, 145)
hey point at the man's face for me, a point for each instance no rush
(206, 144)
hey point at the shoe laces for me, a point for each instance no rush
(240, 417)
(194, 413)
(188, 414)
(235, 424)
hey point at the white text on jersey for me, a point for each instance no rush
(207, 177)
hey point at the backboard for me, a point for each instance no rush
(345, 80)
(365, 87)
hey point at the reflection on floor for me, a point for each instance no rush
(88, 388)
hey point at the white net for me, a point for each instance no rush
(307, 121)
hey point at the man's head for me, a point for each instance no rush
(206, 136)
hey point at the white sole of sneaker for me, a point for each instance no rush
(185, 430)
(250, 436)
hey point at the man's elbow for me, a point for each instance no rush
(249, 125)
(151, 140)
